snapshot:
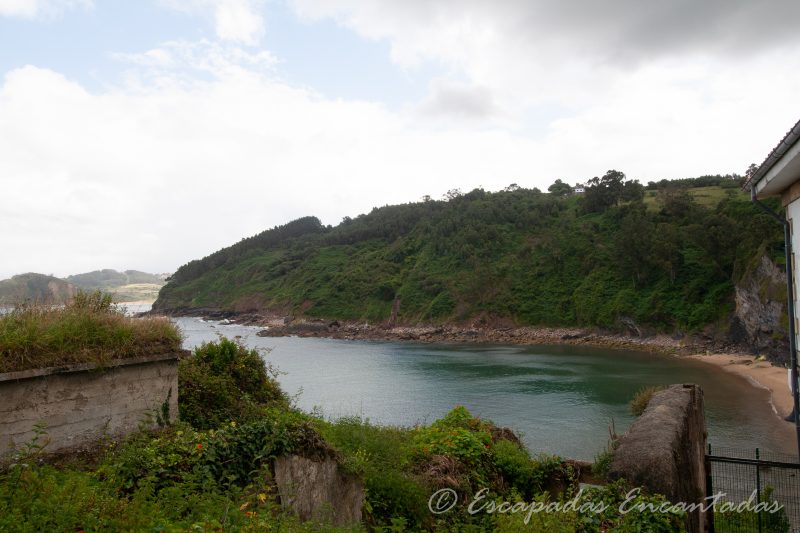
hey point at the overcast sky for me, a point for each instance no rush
(146, 134)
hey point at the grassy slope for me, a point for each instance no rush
(88, 329)
(521, 256)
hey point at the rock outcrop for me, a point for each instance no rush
(760, 319)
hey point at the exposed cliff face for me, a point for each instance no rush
(760, 319)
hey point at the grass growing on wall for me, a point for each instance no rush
(89, 329)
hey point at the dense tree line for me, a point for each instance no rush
(518, 254)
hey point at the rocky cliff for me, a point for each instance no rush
(760, 318)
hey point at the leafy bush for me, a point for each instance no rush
(394, 495)
(44, 498)
(225, 381)
(525, 475)
(232, 455)
(89, 329)
(380, 455)
(457, 435)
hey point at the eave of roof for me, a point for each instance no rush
(791, 137)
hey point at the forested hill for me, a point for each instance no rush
(666, 256)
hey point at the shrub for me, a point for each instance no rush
(394, 495)
(581, 518)
(215, 460)
(89, 329)
(380, 454)
(225, 381)
(525, 475)
(457, 435)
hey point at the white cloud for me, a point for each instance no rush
(184, 59)
(150, 176)
(30, 9)
(239, 21)
(574, 55)
(202, 144)
(166, 167)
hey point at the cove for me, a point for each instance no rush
(560, 399)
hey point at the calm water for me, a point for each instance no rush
(560, 398)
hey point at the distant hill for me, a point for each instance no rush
(35, 287)
(128, 286)
(666, 256)
(107, 278)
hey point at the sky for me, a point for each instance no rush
(142, 135)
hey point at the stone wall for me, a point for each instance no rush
(80, 403)
(319, 490)
(664, 449)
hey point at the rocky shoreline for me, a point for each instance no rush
(489, 335)
(281, 326)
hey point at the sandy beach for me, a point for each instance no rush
(759, 373)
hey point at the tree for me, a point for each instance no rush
(613, 188)
(559, 188)
(452, 194)
(751, 170)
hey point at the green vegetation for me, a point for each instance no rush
(107, 279)
(666, 257)
(225, 382)
(642, 398)
(128, 286)
(729, 519)
(87, 330)
(187, 478)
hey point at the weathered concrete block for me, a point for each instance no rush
(80, 403)
(664, 449)
(318, 490)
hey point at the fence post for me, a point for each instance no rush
(758, 489)
(709, 492)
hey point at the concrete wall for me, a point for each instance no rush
(80, 403)
(664, 449)
(319, 490)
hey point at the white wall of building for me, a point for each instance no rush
(793, 215)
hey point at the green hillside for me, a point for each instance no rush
(667, 255)
(127, 286)
(108, 278)
(32, 287)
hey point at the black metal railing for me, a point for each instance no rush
(755, 491)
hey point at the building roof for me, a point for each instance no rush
(779, 153)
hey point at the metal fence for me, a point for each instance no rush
(757, 490)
